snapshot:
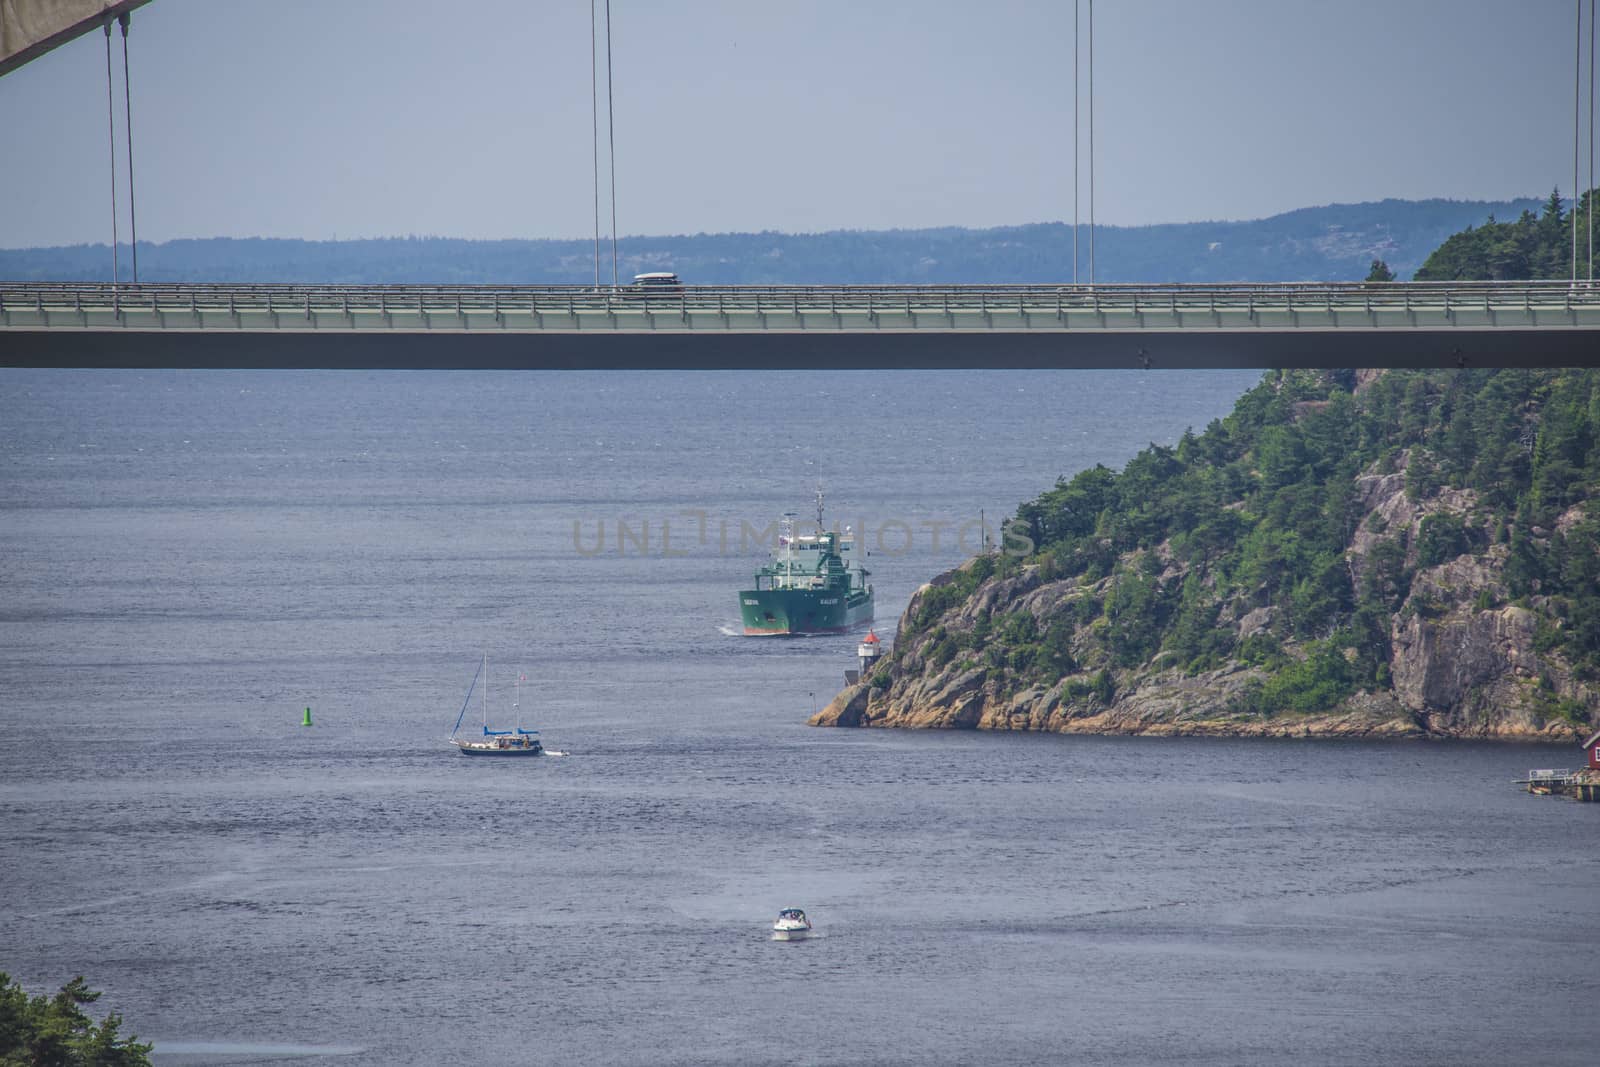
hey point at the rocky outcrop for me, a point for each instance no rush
(1162, 707)
(1463, 662)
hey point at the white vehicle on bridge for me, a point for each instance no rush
(658, 281)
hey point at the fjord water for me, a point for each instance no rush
(189, 559)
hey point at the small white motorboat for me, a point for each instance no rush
(792, 925)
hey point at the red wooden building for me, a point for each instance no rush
(1592, 747)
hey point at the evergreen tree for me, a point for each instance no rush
(1532, 247)
(55, 1031)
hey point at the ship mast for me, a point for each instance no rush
(787, 535)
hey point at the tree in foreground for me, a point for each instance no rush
(41, 1031)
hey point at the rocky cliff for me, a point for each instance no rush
(1429, 608)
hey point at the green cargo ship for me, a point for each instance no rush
(810, 587)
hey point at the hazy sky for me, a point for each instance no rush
(316, 118)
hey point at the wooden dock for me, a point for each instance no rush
(1579, 785)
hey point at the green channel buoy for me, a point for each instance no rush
(308, 718)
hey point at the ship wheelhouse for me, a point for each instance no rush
(812, 561)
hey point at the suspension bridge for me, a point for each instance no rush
(1555, 323)
(1146, 326)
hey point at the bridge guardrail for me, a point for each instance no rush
(1313, 304)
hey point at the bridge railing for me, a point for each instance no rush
(1325, 298)
(1463, 290)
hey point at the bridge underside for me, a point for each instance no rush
(30, 28)
(774, 350)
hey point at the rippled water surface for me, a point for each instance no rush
(188, 560)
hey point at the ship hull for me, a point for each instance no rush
(777, 612)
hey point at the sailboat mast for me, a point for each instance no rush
(486, 694)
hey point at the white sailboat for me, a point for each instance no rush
(513, 742)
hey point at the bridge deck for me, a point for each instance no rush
(1549, 323)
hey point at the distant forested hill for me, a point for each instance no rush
(1333, 243)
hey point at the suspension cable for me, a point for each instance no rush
(594, 129)
(1577, 124)
(1075, 138)
(127, 101)
(611, 133)
(1091, 142)
(1589, 214)
(111, 133)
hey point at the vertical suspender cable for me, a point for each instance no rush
(594, 129)
(127, 102)
(111, 133)
(611, 133)
(1589, 214)
(1075, 167)
(1577, 124)
(1091, 142)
